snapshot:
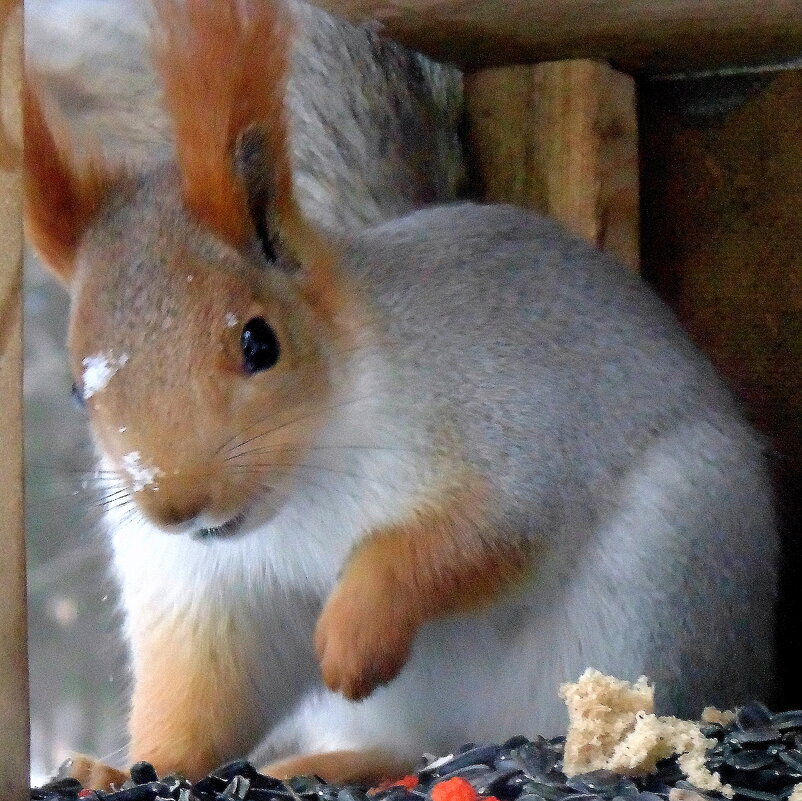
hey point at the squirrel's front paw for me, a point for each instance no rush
(360, 641)
(92, 774)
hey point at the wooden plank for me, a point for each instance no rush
(14, 781)
(638, 34)
(722, 226)
(560, 138)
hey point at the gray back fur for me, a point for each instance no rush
(605, 432)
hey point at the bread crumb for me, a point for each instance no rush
(796, 793)
(612, 726)
(692, 762)
(712, 715)
(601, 712)
(681, 794)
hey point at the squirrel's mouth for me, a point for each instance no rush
(227, 529)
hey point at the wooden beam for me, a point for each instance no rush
(722, 212)
(637, 34)
(14, 780)
(560, 138)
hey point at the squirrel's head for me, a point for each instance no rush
(205, 318)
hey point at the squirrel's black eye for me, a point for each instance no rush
(260, 346)
(77, 395)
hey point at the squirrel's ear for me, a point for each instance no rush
(260, 187)
(263, 169)
(60, 199)
(224, 66)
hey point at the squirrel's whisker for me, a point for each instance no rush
(307, 415)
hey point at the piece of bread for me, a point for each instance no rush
(612, 726)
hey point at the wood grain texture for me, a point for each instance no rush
(722, 228)
(638, 34)
(14, 781)
(560, 138)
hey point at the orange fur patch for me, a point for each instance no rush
(224, 65)
(443, 560)
(341, 767)
(59, 199)
(192, 706)
(94, 774)
(224, 71)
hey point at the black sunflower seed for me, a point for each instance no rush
(514, 742)
(756, 795)
(654, 785)
(239, 767)
(209, 785)
(682, 784)
(536, 760)
(470, 773)
(758, 753)
(506, 786)
(601, 781)
(787, 720)
(238, 787)
(351, 794)
(547, 791)
(139, 792)
(793, 759)
(748, 760)
(768, 779)
(397, 794)
(755, 736)
(63, 786)
(506, 760)
(753, 716)
(143, 772)
(492, 781)
(484, 754)
(304, 785)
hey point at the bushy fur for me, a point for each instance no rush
(374, 126)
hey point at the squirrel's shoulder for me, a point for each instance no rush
(498, 244)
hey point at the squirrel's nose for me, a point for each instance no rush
(174, 501)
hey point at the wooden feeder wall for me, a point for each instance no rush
(697, 183)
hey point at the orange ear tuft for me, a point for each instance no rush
(59, 199)
(224, 66)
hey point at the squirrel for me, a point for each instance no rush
(378, 492)
(375, 126)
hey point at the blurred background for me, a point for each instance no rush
(76, 657)
(90, 59)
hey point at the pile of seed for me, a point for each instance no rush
(759, 754)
